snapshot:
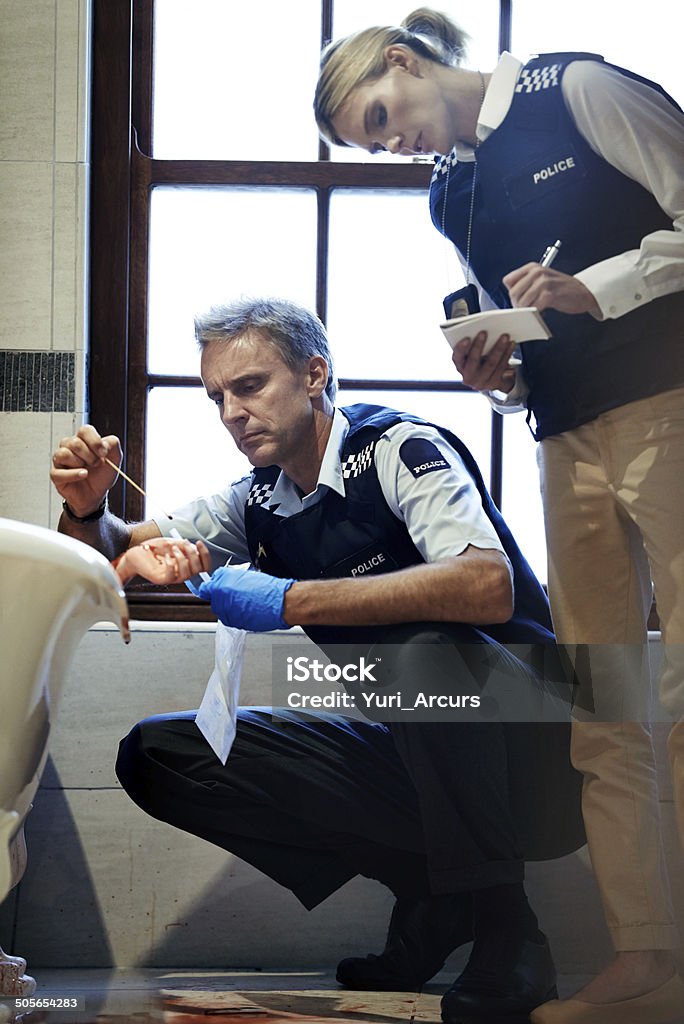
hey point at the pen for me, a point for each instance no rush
(550, 254)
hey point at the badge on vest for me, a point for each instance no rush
(544, 176)
(261, 553)
(421, 456)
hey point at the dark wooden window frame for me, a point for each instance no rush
(122, 177)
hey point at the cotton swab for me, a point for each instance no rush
(131, 482)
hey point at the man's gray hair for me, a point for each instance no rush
(297, 333)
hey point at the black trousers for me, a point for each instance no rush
(312, 799)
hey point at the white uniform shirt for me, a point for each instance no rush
(441, 509)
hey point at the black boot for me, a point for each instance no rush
(423, 931)
(505, 978)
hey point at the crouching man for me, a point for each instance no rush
(442, 812)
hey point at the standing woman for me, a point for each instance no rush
(568, 147)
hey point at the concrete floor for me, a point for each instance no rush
(233, 997)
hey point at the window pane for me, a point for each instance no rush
(466, 414)
(643, 45)
(210, 245)
(389, 271)
(480, 21)
(189, 451)
(235, 81)
(521, 501)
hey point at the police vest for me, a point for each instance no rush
(538, 180)
(357, 534)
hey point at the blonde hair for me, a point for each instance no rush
(360, 57)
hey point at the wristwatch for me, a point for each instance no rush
(91, 517)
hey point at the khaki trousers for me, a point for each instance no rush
(613, 493)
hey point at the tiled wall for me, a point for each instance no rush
(43, 204)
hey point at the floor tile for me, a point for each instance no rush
(235, 997)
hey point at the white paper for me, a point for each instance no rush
(522, 324)
(216, 718)
(217, 715)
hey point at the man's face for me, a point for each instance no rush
(264, 404)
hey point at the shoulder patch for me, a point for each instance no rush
(444, 164)
(259, 493)
(356, 464)
(534, 79)
(421, 456)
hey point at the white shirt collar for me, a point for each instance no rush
(499, 95)
(497, 101)
(285, 493)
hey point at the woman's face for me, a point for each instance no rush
(404, 111)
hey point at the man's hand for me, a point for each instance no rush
(485, 373)
(534, 285)
(163, 560)
(247, 599)
(79, 471)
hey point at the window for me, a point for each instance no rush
(218, 185)
(208, 181)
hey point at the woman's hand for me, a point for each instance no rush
(534, 285)
(163, 560)
(485, 373)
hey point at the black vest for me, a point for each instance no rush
(358, 534)
(539, 180)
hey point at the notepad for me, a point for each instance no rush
(523, 324)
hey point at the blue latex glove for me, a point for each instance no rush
(247, 599)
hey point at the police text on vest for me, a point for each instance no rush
(544, 173)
